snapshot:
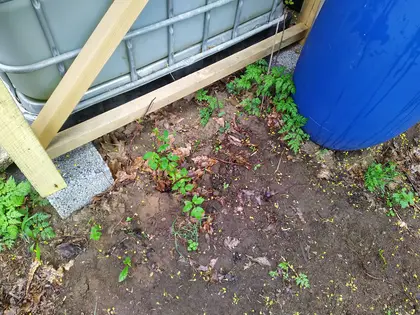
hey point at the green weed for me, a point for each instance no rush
(378, 176)
(95, 232)
(403, 198)
(15, 218)
(252, 106)
(193, 207)
(302, 281)
(166, 164)
(192, 246)
(124, 273)
(382, 256)
(278, 87)
(284, 268)
(213, 104)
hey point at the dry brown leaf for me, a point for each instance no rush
(183, 152)
(52, 275)
(34, 266)
(163, 186)
(138, 163)
(231, 243)
(324, 173)
(235, 141)
(263, 261)
(204, 161)
(122, 176)
(220, 121)
(68, 265)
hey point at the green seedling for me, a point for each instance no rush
(37, 250)
(15, 218)
(378, 176)
(193, 207)
(284, 268)
(213, 104)
(225, 186)
(128, 219)
(166, 164)
(381, 255)
(403, 198)
(257, 166)
(192, 246)
(124, 273)
(95, 232)
(302, 281)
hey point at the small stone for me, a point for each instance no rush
(5, 160)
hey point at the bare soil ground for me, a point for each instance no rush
(265, 206)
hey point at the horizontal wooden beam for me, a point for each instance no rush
(100, 125)
(17, 138)
(86, 67)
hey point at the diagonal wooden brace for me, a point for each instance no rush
(95, 53)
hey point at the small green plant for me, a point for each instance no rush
(192, 246)
(278, 86)
(128, 219)
(302, 281)
(166, 164)
(124, 273)
(225, 186)
(213, 104)
(257, 166)
(252, 106)
(15, 218)
(193, 207)
(95, 232)
(292, 130)
(284, 268)
(403, 198)
(187, 231)
(382, 256)
(378, 176)
(225, 128)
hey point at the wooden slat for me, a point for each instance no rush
(85, 68)
(308, 14)
(17, 138)
(96, 127)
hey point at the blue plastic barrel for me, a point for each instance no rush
(358, 77)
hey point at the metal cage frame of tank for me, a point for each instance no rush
(141, 76)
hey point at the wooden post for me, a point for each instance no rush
(85, 68)
(308, 14)
(17, 138)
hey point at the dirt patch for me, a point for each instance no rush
(267, 206)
